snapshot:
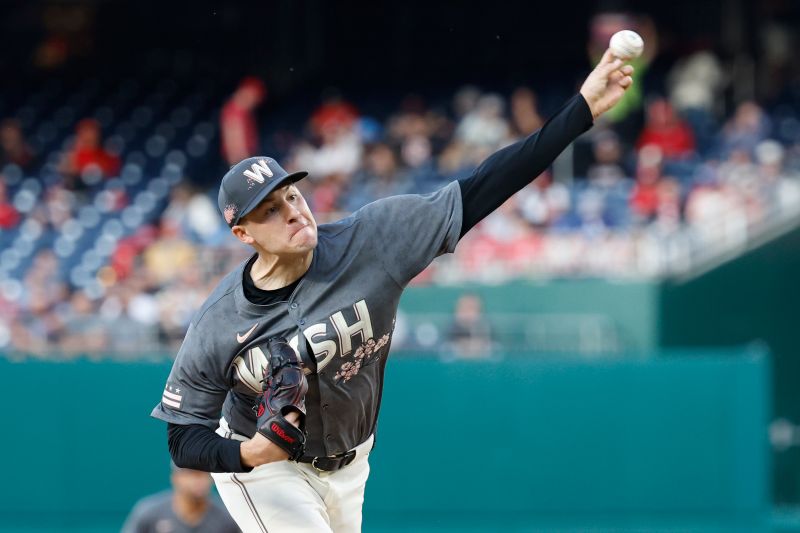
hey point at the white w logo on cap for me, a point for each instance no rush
(257, 169)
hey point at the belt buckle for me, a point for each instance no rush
(314, 464)
(348, 458)
(342, 460)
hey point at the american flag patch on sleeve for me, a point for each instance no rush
(172, 397)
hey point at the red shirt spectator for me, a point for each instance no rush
(644, 197)
(667, 131)
(238, 124)
(333, 116)
(9, 216)
(87, 152)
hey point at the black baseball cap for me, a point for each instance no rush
(247, 183)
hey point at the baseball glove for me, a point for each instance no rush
(285, 388)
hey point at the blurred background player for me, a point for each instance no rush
(470, 334)
(188, 507)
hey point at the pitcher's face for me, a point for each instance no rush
(282, 224)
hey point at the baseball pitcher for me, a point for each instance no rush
(277, 386)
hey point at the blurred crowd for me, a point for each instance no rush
(623, 202)
(686, 182)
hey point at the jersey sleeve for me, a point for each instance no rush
(407, 232)
(197, 384)
(512, 168)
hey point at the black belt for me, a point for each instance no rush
(330, 463)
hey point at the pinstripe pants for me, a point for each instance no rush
(286, 496)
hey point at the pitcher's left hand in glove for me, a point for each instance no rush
(285, 388)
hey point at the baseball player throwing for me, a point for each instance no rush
(277, 386)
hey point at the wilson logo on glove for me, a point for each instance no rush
(285, 388)
(282, 434)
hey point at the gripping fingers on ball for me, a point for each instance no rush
(608, 57)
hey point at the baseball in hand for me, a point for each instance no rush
(626, 44)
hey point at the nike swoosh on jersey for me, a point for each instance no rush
(241, 338)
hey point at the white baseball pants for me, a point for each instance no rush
(286, 496)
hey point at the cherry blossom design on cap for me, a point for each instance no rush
(230, 212)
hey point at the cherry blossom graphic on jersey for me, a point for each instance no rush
(364, 354)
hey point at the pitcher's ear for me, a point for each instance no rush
(241, 233)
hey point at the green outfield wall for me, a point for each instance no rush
(626, 311)
(753, 298)
(521, 444)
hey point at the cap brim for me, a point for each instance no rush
(294, 177)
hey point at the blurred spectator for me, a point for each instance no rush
(58, 207)
(416, 151)
(664, 129)
(738, 169)
(454, 161)
(645, 196)
(333, 116)
(668, 208)
(38, 321)
(590, 209)
(717, 217)
(39, 327)
(87, 162)
(417, 133)
(485, 126)
(543, 203)
(68, 31)
(748, 127)
(408, 121)
(238, 125)
(194, 213)
(695, 92)
(9, 216)
(177, 303)
(470, 336)
(696, 83)
(338, 150)
(780, 186)
(326, 194)
(186, 508)
(142, 305)
(505, 225)
(525, 117)
(465, 100)
(607, 169)
(340, 153)
(13, 147)
(127, 251)
(143, 279)
(43, 274)
(169, 255)
(83, 332)
(380, 176)
(778, 66)
(121, 312)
